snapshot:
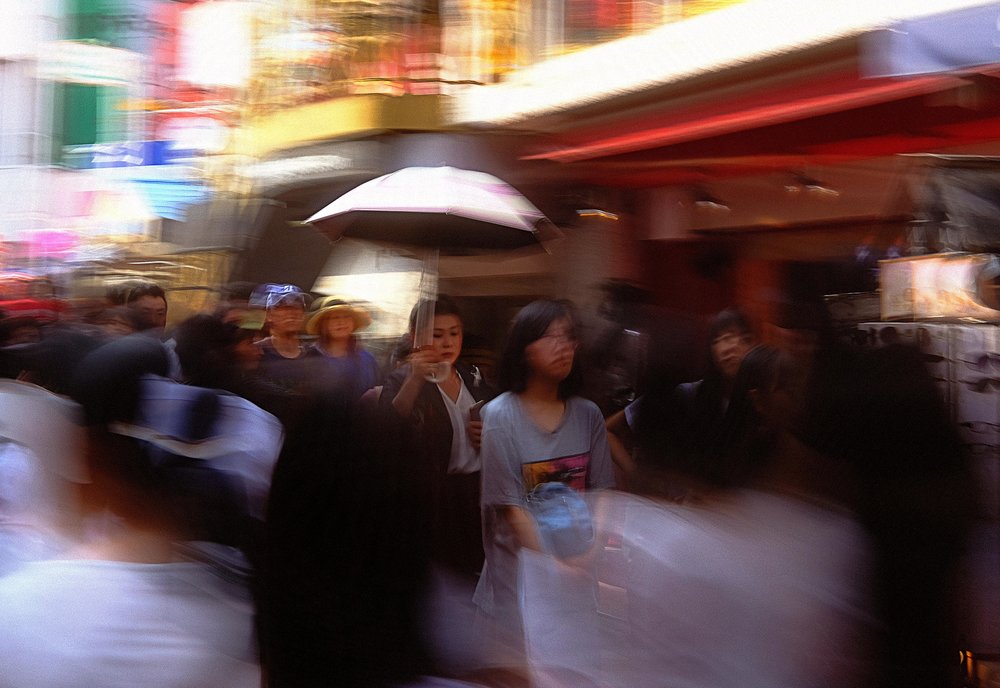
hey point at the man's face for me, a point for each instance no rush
(286, 319)
(152, 310)
(728, 350)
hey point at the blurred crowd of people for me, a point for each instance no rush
(253, 498)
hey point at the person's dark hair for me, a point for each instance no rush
(728, 320)
(142, 289)
(529, 325)
(402, 349)
(109, 315)
(106, 381)
(745, 442)
(204, 344)
(52, 362)
(116, 294)
(442, 305)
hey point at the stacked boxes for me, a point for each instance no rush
(933, 340)
(976, 386)
(964, 361)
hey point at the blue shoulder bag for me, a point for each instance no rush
(562, 518)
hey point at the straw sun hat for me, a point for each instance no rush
(330, 304)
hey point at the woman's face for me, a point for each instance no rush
(728, 350)
(448, 337)
(338, 325)
(551, 355)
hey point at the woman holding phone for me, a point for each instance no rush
(438, 398)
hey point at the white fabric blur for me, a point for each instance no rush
(41, 463)
(757, 591)
(464, 457)
(245, 440)
(105, 624)
(28, 531)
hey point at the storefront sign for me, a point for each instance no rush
(940, 286)
(79, 62)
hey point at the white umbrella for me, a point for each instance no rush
(437, 207)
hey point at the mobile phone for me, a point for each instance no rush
(474, 410)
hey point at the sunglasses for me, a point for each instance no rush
(982, 385)
(979, 426)
(982, 361)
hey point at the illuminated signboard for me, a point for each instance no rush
(940, 286)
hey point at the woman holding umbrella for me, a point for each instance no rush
(438, 398)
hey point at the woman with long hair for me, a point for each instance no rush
(537, 431)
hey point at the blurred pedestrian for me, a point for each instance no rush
(122, 609)
(702, 404)
(881, 413)
(346, 564)
(761, 577)
(148, 302)
(222, 355)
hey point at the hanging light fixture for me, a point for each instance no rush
(804, 184)
(703, 200)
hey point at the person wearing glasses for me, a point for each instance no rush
(703, 402)
(537, 431)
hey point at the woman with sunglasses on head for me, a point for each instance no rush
(537, 431)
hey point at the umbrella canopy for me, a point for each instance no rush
(436, 207)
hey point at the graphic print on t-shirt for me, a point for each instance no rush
(571, 470)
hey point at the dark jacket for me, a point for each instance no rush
(456, 525)
(429, 422)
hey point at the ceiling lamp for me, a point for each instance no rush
(703, 200)
(804, 184)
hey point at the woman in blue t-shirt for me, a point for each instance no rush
(344, 362)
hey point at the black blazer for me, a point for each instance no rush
(429, 425)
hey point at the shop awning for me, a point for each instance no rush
(955, 41)
(170, 198)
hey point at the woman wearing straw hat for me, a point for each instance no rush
(344, 362)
